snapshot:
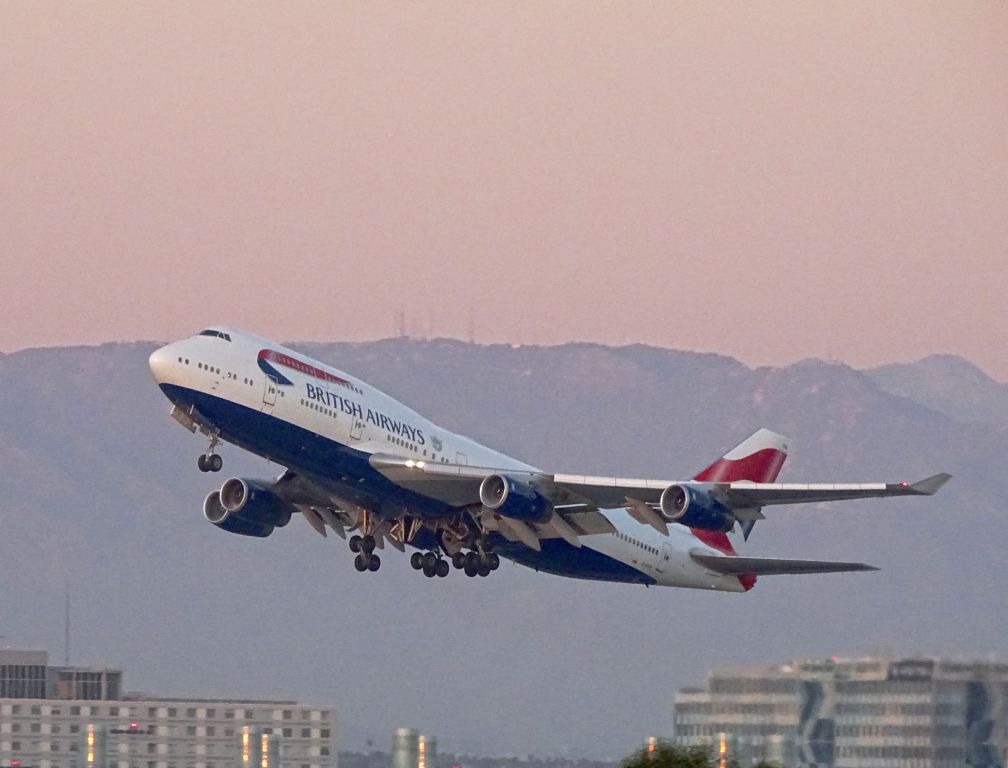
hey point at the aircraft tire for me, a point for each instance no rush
(483, 570)
(442, 568)
(416, 561)
(472, 560)
(493, 560)
(458, 560)
(360, 563)
(374, 563)
(201, 463)
(428, 570)
(355, 543)
(469, 570)
(215, 463)
(368, 544)
(430, 560)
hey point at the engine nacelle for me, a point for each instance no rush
(251, 501)
(215, 513)
(511, 498)
(695, 508)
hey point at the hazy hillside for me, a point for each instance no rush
(98, 487)
(948, 384)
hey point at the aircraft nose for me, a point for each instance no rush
(160, 363)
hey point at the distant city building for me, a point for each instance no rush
(852, 713)
(410, 749)
(77, 717)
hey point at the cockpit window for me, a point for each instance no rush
(218, 334)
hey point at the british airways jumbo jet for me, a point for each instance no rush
(361, 463)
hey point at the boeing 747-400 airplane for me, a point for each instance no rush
(363, 464)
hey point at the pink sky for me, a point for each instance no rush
(768, 180)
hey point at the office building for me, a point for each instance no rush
(78, 717)
(852, 713)
(411, 749)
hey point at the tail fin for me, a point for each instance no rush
(758, 458)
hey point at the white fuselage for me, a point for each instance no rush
(292, 409)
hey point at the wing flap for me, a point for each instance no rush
(766, 566)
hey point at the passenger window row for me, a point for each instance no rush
(635, 542)
(211, 369)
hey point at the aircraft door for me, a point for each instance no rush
(356, 428)
(269, 394)
(665, 558)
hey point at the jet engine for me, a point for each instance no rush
(246, 507)
(215, 513)
(511, 498)
(695, 508)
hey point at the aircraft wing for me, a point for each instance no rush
(766, 566)
(579, 497)
(742, 494)
(459, 485)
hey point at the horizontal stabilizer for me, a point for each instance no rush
(765, 566)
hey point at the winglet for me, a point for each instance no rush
(930, 485)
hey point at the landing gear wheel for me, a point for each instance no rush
(442, 568)
(493, 560)
(368, 544)
(416, 561)
(428, 570)
(214, 462)
(374, 562)
(355, 543)
(429, 561)
(202, 464)
(459, 560)
(483, 570)
(472, 560)
(360, 563)
(469, 570)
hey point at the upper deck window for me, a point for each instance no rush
(218, 334)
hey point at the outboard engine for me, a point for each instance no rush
(695, 508)
(246, 507)
(215, 513)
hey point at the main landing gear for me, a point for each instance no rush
(476, 563)
(366, 559)
(431, 563)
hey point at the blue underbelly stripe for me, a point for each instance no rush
(348, 474)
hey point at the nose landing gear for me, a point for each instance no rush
(210, 461)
